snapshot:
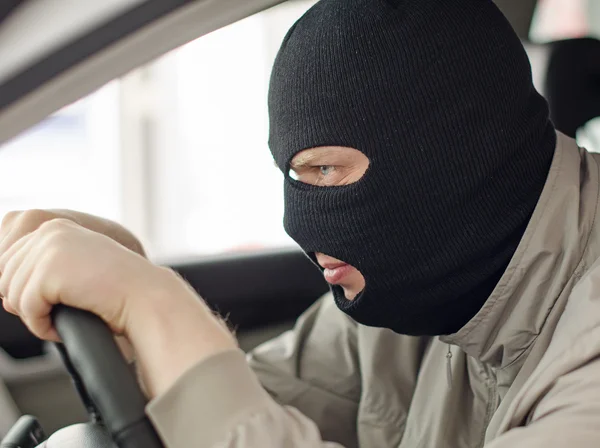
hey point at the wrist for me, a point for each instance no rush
(125, 238)
(171, 330)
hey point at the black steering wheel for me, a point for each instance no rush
(107, 386)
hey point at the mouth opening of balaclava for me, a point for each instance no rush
(438, 95)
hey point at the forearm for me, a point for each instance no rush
(173, 330)
(202, 389)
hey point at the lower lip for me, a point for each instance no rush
(336, 275)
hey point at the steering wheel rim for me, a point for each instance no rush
(106, 383)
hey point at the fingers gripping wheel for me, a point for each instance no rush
(106, 383)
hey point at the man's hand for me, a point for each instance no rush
(170, 328)
(61, 262)
(17, 224)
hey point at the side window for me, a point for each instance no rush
(70, 160)
(559, 19)
(176, 151)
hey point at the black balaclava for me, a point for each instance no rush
(438, 95)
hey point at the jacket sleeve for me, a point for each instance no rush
(568, 414)
(300, 390)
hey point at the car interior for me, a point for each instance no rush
(259, 285)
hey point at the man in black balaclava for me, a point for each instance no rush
(438, 96)
(423, 175)
(458, 229)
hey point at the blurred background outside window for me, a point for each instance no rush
(560, 19)
(177, 150)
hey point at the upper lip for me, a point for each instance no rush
(331, 264)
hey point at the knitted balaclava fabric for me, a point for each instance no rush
(438, 95)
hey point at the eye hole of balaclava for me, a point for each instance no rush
(328, 166)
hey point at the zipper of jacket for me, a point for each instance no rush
(492, 401)
(449, 366)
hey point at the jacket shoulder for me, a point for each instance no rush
(574, 345)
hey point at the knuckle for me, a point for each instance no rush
(55, 231)
(56, 224)
(10, 217)
(27, 220)
(36, 217)
(54, 239)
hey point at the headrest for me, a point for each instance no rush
(572, 83)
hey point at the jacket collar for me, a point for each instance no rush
(552, 247)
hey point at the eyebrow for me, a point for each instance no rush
(301, 160)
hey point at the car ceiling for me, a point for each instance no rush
(8, 6)
(77, 60)
(54, 52)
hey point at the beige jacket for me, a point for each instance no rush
(524, 372)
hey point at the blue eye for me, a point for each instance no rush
(326, 169)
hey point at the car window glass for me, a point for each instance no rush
(67, 161)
